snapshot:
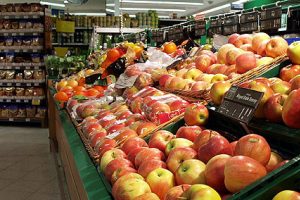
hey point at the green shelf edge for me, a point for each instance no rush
(93, 184)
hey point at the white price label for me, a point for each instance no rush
(28, 84)
(34, 50)
(11, 119)
(18, 100)
(26, 16)
(5, 34)
(18, 84)
(36, 84)
(21, 34)
(6, 17)
(18, 67)
(26, 100)
(113, 135)
(17, 50)
(14, 34)
(35, 34)
(9, 84)
(24, 50)
(27, 67)
(8, 100)
(27, 119)
(1, 100)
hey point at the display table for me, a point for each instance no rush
(81, 175)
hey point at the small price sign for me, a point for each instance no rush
(240, 104)
(36, 102)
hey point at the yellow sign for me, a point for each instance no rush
(61, 51)
(65, 26)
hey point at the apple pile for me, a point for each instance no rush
(195, 163)
(280, 102)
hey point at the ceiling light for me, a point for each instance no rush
(157, 9)
(163, 2)
(213, 9)
(89, 14)
(110, 4)
(240, 1)
(66, 1)
(110, 10)
(52, 4)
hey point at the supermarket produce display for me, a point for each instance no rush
(156, 133)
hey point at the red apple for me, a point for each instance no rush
(199, 86)
(254, 146)
(268, 92)
(133, 143)
(115, 128)
(218, 91)
(230, 149)
(132, 189)
(241, 171)
(243, 39)
(293, 52)
(121, 172)
(295, 82)
(159, 107)
(245, 62)
(160, 181)
(190, 172)
(96, 135)
(291, 110)
(178, 155)
(289, 72)
(149, 165)
(212, 148)
(209, 53)
(222, 53)
(160, 139)
(232, 38)
(214, 172)
(105, 145)
(232, 54)
(277, 46)
(196, 114)
(281, 87)
(122, 181)
(275, 159)
(148, 154)
(261, 50)
(176, 143)
(203, 138)
(203, 62)
(109, 156)
(91, 127)
(273, 107)
(163, 79)
(132, 154)
(258, 38)
(114, 165)
(216, 69)
(188, 132)
(125, 134)
(175, 192)
(200, 191)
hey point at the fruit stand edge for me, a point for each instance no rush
(89, 178)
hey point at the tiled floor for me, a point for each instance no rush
(27, 169)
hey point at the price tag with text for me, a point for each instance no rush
(240, 104)
(36, 102)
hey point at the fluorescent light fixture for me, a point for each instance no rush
(132, 16)
(213, 9)
(157, 9)
(52, 4)
(163, 16)
(110, 4)
(164, 2)
(89, 14)
(110, 10)
(240, 1)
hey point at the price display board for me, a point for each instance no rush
(240, 104)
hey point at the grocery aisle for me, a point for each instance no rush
(27, 168)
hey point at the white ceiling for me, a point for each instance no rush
(94, 6)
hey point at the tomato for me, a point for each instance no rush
(254, 146)
(79, 88)
(113, 54)
(82, 93)
(99, 88)
(61, 96)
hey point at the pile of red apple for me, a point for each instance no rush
(241, 54)
(196, 163)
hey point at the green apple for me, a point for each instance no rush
(190, 172)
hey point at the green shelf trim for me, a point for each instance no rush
(91, 180)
